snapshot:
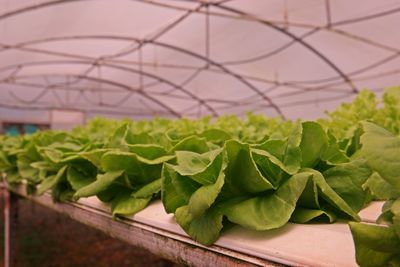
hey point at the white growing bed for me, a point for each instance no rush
(153, 229)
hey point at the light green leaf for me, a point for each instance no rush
(150, 154)
(103, 181)
(319, 189)
(242, 174)
(347, 181)
(148, 190)
(375, 245)
(143, 173)
(204, 229)
(127, 205)
(301, 215)
(292, 156)
(205, 196)
(4, 162)
(395, 209)
(142, 138)
(176, 190)
(215, 135)
(51, 181)
(203, 168)
(52, 155)
(313, 142)
(25, 169)
(269, 211)
(333, 155)
(112, 191)
(382, 151)
(43, 165)
(117, 140)
(94, 156)
(193, 144)
(380, 188)
(77, 179)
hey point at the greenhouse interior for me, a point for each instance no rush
(199, 133)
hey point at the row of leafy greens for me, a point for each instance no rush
(379, 244)
(256, 172)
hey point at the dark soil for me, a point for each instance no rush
(47, 238)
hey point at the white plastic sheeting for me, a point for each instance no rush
(192, 58)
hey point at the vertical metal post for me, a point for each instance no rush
(10, 228)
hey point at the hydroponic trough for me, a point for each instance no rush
(157, 231)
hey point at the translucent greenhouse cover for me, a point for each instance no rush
(142, 58)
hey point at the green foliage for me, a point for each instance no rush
(256, 172)
(379, 245)
(386, 113)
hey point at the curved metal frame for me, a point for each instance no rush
(209, 9)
